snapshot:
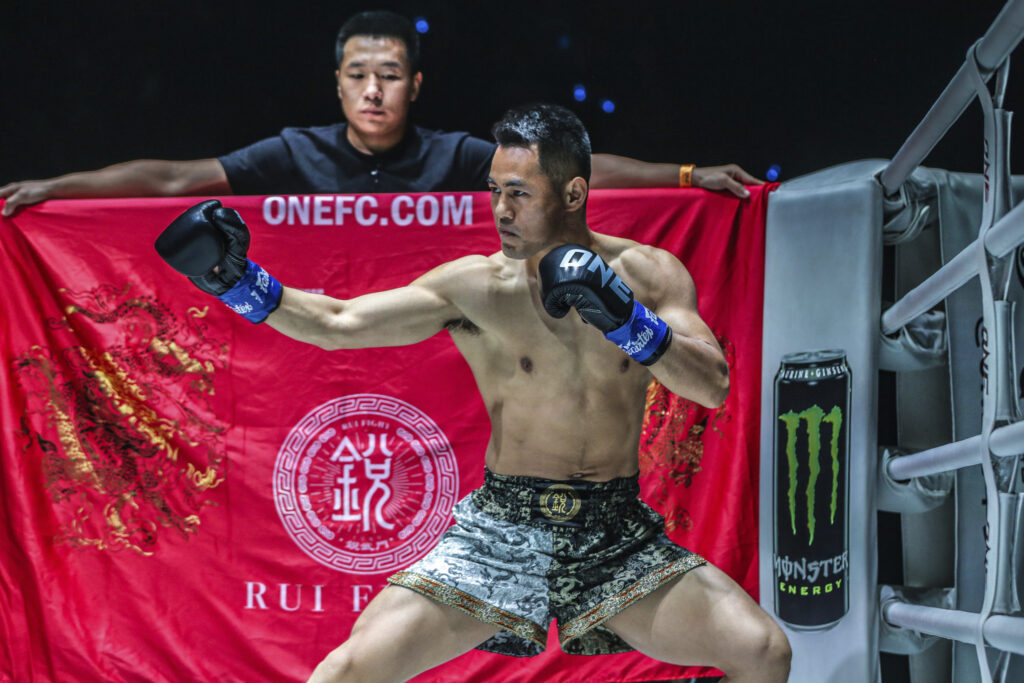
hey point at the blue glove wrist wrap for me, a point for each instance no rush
(255, 296)
(644, 337)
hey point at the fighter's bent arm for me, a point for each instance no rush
(694, 366)
(653, 318)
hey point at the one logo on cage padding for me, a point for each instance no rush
(560, 502)
(365, 483)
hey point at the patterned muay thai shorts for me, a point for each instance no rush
(526, 550)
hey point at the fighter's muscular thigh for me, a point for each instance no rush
(705, 618)
(400, 634)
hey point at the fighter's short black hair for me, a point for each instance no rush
(380, 24)
(563, 145)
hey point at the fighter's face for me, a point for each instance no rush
(526, 208)
(376, 86)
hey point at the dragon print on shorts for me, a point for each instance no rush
(524, 551)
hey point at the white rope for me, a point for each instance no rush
(1003, 632)
(1000, 240)
(1005, 441)
(951, 456)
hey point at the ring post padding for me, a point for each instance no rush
(823, 252)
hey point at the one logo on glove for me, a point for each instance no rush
(365, 483)
(592, 261)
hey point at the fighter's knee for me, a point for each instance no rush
(771, 652)
(340, 666)
(765, 650)
(777, 652)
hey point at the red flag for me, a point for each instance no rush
(188, 496)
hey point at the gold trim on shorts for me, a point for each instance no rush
(475, 607)
(608, 608)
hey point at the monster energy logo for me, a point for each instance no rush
(813, 417)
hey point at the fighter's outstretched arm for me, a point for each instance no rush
(389, 318)
(209, 243)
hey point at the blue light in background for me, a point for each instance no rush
(579, 93)
(607, 106)
(422, 26)
(564, 42)
(773, 173)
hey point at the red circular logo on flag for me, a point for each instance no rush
(365, 483)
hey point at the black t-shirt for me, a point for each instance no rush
(321, 160)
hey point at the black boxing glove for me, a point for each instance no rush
(572, 276)
(208, 243)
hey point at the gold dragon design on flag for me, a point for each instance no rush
(120, 420)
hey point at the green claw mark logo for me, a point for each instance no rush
(813, 417)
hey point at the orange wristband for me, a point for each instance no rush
(686, 175)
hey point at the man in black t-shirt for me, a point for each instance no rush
(375, 150)
(324, 158)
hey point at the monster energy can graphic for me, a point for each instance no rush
(811, 475)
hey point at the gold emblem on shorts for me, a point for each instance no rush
(560, 502)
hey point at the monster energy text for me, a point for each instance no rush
(811, 483)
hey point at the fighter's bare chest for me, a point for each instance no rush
(515, 334)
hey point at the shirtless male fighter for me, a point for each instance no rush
(557, 529)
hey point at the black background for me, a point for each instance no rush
(802, 85)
